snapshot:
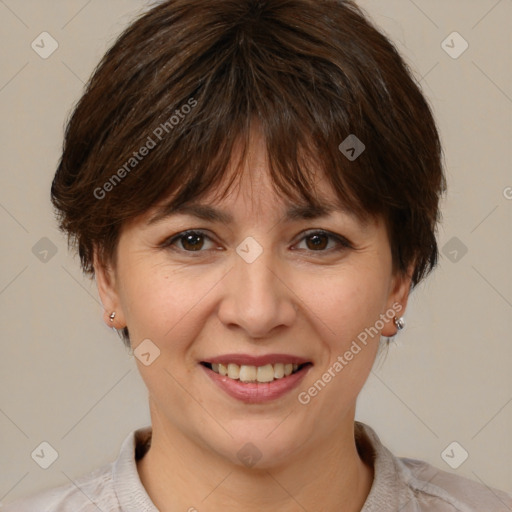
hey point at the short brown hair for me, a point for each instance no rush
(186, 80)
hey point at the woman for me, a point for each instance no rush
(255, 187)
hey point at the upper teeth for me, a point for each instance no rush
(247, 373)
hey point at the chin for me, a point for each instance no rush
(260, 444)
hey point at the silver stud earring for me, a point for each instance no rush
(399, 322)
(112, 316)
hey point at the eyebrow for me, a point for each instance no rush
(295, 212)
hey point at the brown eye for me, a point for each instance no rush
(190, 241)
(318, 241)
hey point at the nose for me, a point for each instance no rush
(258, 297)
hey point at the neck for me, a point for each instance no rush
(178, 474)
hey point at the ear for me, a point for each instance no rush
(109, 295)
(397, 300)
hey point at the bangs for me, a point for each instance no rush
(248, 79)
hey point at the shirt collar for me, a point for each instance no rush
(388, 492)
(131, 494)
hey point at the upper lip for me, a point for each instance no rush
(248, 360)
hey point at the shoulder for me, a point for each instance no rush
(112, 487)
(89, 493)
(411, 485)
(457, 492)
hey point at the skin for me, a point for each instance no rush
(307, 301)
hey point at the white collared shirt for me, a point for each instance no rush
(399, 484)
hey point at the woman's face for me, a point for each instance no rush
(259, 286)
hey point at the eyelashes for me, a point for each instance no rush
(190, 239)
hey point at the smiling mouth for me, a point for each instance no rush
(248, 373)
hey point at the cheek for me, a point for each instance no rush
(162, 304)
(166, 306)
(344, 303)
(344, 309)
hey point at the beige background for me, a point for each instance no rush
(67, 379)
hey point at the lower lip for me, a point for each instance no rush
(257, 392)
